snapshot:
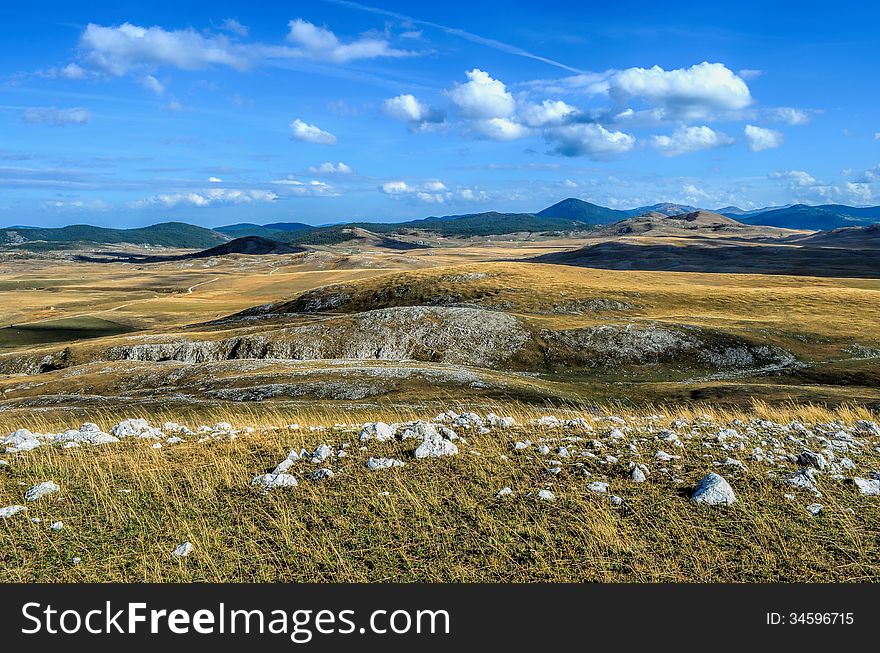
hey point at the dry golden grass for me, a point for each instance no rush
(440, 522)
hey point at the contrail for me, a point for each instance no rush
(475, 38)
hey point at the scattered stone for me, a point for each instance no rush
(713, 490)
(271, 481)
(615, 500)
(320, 474)
(182, 550)
(41, 490)
(57, 526)
(868, 487)
(434, 447)
(803, 479)
(503, 492)
(8, 511)
(377, 431)
(599, 487)
(384, 463)
(809, 458)
(814, 509)
(546, 495)
(638, 474)
(132, 428)
(321, 453)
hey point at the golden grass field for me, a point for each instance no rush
(441, 520)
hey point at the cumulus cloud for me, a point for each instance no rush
(211, 197)
(316, 42)
(796, 177)
(430, 192)
(215, 180)
(589, 139)
(482, 97)
(760, 139)
(500, 129)
(859, 192)
(700, 92)
(311, 188)
(411, 110)
(549, 112)
(118, 49)
(789, 115)
(303, 131)
(55, 116)
(690, 139)
(329, 168)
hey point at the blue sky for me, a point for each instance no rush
(320, 111)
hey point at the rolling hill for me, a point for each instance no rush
(166, 234)
(581, 211)
(818, 218)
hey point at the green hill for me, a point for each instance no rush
(820, 218)
(581, 211)
(166, 234)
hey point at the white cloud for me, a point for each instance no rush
(549, 112)
(153, 84)
(690, 139)
(232, 25)
(410, 109)
(859, 192)
(760, 139)
(215, 180)
(750, 73)
(500, 129)
(209, 197)
(312, 188)
(315, 42)
(116, 50)
(73, 71)
(55, 116)
(796, 177)
(473, 195)
(589, 139)
(434, 186)
(396, 188)
(302, 131)
(702, 91)
(482, 98)
(329, 168)
(789, 115)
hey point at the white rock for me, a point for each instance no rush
(522, 444)
(322, 453)
(547, 421)
(76, 560)
(8, 511)
(40, 490)
(182, 550)
(270, 481)
(383, 463)
(713, 490)
(599, 487)
(435, 447)
(869, 487)
(638, 475)
(134, 428)
(809, 458)
(222, 427)
(546, 495)
(57, 526)
(868, 427)
(803, 479)
(377, 431)
(615, 500)
(174, 440)
(814, 508)
(543, 449)
(321, 473)
(503, 492)
(662, 455)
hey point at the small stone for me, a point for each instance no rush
(376, 431)
(8, 511)
(809, 458)
(804, 479)
(868, 487)
(713, 490)
(321, 453)
(182, 550)
(546, 495)
(270, 481)
(76, 560)
(599, 487)
(503, 492)
(615, 500)
(814, 508)
(320, 474)
(638, 475)
(57, 526)
(435, 447)
(41, 490)
(384, 463)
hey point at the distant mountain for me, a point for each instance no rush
(818, 218)
(490, 223)
(580, 211)
(166, 234)
(288, 226)
(664, 208)
(736, 212)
